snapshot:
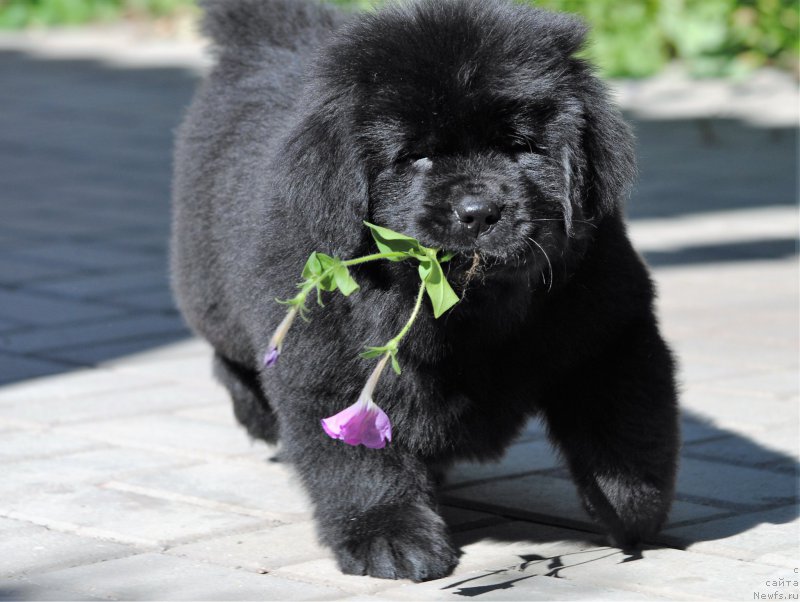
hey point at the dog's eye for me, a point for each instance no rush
(409, 158)
(516, 146)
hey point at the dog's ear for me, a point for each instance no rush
(322, 179)
(609, 152)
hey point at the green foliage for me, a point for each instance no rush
(441, 294)
(15, 14)
(630, 38)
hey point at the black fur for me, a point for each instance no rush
(309, 125)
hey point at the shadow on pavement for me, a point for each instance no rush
(85, 154)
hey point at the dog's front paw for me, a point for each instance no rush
(395, 542)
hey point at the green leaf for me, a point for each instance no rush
(395, 363)
(344, 280)
(389, 241)
(441, 294)
(373, 352)
(446, 257)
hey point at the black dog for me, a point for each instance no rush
(469, 125)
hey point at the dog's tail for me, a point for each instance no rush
(250, 24)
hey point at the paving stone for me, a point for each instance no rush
(74, 336)
(75, 384)
(34, 549)
(461, 519)
(16, 270)
(162, 577)
(91, 255)
(105, 284)
(513, 585)
(258, 486)
(173, 435)
(107, 405)
(324, 571)
(261, 550)
(47, 311)
(520, 458)
(745, 452)
(102, 354)
(26, 445)
(216, 413)
(555, 500)
(22, 589)
(15, 368)
(734, 412)
(771, 537)
(67, 470)
(10, 325)
(153, 300)
(737, 486)
(126, 517)
(526, 550)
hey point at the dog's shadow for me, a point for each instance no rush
(727, 485)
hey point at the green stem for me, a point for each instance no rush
(374, 257)
(417, 306)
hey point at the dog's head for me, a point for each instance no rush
(467, 124)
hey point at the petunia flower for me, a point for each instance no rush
(363, 423)
(276, 342)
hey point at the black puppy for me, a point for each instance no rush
(469, 125)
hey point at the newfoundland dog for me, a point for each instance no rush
(471, 126)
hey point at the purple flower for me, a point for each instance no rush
(276, 342)
(363, 422)
(271, 358)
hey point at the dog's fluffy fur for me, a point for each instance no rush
(312, 122)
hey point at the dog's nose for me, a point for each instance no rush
(477, 215)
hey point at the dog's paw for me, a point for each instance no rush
(396, 543)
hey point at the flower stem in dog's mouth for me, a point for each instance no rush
(364, 423)
(473, 269)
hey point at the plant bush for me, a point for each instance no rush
(630, 38)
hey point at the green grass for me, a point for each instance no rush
(631, 38)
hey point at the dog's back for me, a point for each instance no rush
(264, 50)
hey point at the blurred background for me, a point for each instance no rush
(630, 38)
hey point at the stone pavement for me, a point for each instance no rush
(126, 478)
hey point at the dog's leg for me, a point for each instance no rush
(374, 507)
(250, 405)
(616, 422)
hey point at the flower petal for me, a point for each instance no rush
(271, 357)
(360, 424)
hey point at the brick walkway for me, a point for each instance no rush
(126, 478)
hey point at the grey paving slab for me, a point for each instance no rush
(775, 539)
(736, 486)
(70, 470)
(108, 404)
(520, 458)
(33, 549)
(126, 517)
(28, 445)
(554, 500)
(93, 330)
(15, 367)
(99, 354)
(173, 435)
(104, 284)
(16, 270)
(259, 551)
(46, 311)
(161, 577)
(255, 485)
(22, 589)
(77, 383)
